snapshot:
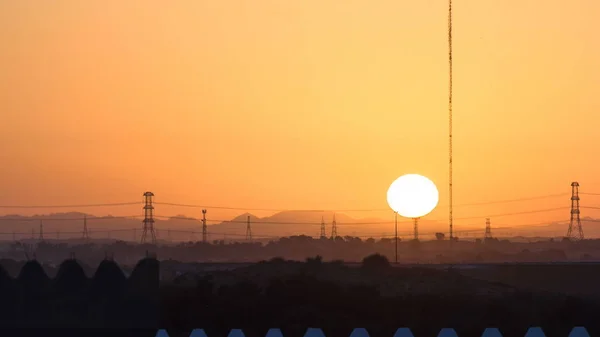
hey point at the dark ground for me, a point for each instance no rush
(293, 296)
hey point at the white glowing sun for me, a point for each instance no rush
(413, 196)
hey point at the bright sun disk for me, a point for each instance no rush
(412, 196)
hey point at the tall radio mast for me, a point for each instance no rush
(450, 217)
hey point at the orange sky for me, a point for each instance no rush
(297, 104)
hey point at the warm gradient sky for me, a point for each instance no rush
(297, 104)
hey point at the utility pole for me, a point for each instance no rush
(41, 238)
(248, 230)
(396, 235)
(204, 228)
(86, 234)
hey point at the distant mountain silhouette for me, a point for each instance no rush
(284, 223)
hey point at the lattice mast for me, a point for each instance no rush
(41, 237)
(334, 233)
(86, 234)
(416, 229)
(323, 233)
(488, 229)
(450, 215)
(148, 233)
(248, 230)
(575, 231)
(204, 228)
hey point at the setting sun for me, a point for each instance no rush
(412, 196)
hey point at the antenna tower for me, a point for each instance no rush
(450, 217)
(148, 234)
(323, 235)
(488, 229)
(248, 230)
(416, 229)
(86, 234)
(41, 238)
(334, 233)
(204, 229)
(577, 232)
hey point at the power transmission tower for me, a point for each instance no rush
(450, 216)
(148, 234)
(323, 234)
(575, 220)
(86, 234)
(488, 229)
(416, 229)
(248, 230)
(204, 228)
(41, 238)
(334, 233)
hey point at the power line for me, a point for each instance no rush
(132, 217)
(515, 213)
(137, 217)
(72, 206)
(355, 210)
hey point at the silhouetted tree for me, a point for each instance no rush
(375, 262)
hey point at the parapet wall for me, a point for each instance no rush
(401, 332)
(108, 299)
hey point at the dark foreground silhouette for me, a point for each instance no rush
(293, 296)
(72, 304)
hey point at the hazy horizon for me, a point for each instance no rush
(305, 105)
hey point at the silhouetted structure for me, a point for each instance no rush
(248, 230)
(334, 233)
(416, 229)
(148, 233)
(71, 304)
(575, 231)
(86, 234)
(204, 228)
(41, 237)
(488, 229)
(323, 234)
(450, 201)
